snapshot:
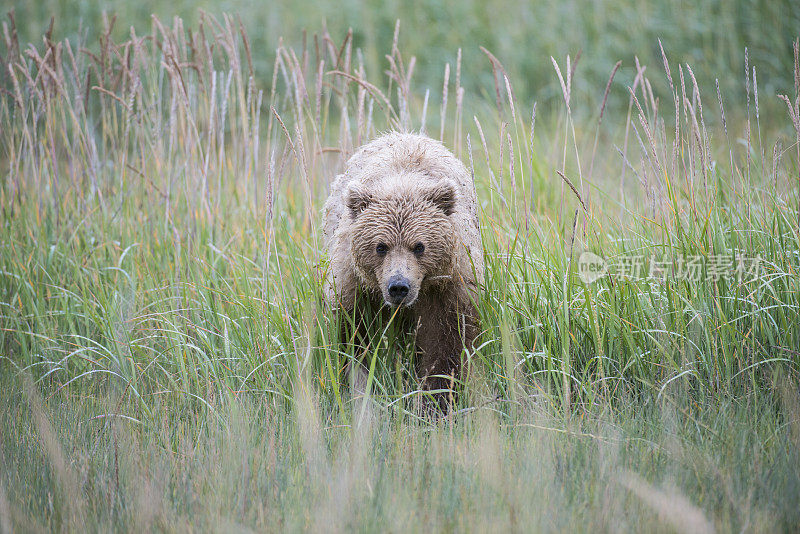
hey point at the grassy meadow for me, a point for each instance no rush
(167, 362)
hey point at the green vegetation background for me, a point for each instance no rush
(711, 35)
(164, 362)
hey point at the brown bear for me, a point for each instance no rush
(401, 229)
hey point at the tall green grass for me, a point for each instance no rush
(168, 363)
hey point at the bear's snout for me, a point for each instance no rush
(398, 287)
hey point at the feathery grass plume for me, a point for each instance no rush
(497, 68)
(495, 185)
(531, 152)
(443, 111)
(424, 114)
(600, 117)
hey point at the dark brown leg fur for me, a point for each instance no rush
(447, 322)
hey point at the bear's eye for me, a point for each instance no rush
(381, 249)
(418, 249)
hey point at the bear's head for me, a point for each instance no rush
(403, 238)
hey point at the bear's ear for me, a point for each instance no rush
(357, 200)
(443, 196)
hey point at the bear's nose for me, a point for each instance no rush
(398, 288)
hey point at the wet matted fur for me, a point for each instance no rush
(401, 228)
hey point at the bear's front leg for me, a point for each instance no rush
(445, 325)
